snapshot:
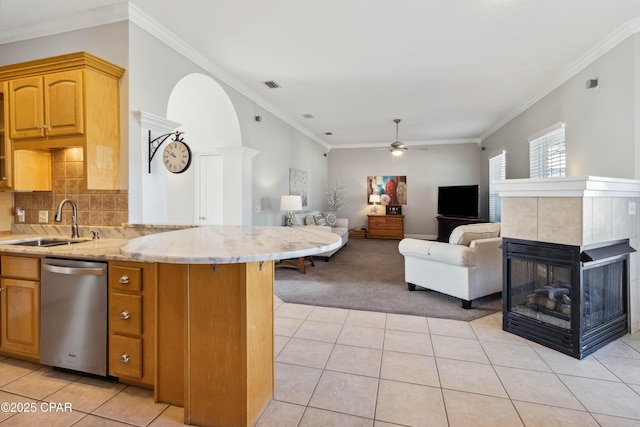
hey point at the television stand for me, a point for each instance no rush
(446, 224)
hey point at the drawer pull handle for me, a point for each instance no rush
(124, 280)
(125, 358)
(124, 315)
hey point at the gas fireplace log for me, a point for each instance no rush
(550, 304)
(558, 292)
(565, 309)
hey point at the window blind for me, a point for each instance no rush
(547, 154)
(497, 172)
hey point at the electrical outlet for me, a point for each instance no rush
(43, 217)
(632, 208)
(20, 214)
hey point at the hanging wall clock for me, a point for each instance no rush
(177, 157)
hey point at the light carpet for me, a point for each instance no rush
(368, 274)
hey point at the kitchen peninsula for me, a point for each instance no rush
(214, 341)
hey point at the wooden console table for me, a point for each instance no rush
(386, 226)
(446, 225)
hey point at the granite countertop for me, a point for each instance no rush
(99, 249)
(228, 244)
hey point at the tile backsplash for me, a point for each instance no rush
(95, 207)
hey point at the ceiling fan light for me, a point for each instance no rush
(397, 152)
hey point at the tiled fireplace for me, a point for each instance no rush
(569, 270)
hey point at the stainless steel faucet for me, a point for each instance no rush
(74, 219)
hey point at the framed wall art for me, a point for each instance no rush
(391, 189)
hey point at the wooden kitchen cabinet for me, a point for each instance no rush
(20, 306)
(386, 226)
(68, 101)
(132, 290)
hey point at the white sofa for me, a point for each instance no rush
(313, 219)
(468, 267)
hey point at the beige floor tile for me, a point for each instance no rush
(492, 319)
(410, 404)
(43, 418)
(535, 415)
(278, 343)
(361, 336)
(628, 370)
(514, 356)
(132, 405)
(611, 421)
(313, 354)
(317, 417)
(285, 326)
(492, 332)
(536, 387)
(632, 340)
(560, 363)
(295, 384)
(295, 311)
(355, 360)
(618, 348)
(369, 319)
(319, 331)
(451, 328)
(470, 377)
(12, 399)
(281, 414)
(408, 342)
(329, 314)
(467, 409)
(12, 369)
(410, 368)
(458, 348)
(346, 393)
(605, 397)
(170, 417)
(41, 383)
(87, 393)
(403, 322)
(94, 421)
(377, 423)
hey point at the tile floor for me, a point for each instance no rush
(338, 367)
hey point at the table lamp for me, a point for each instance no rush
(374, 198)
(290, 204)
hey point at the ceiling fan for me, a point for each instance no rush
(397, 148)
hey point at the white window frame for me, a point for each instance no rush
(497, 172)
(547, 152)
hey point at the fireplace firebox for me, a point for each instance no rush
(566, 299)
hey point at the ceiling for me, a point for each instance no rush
(454, 71)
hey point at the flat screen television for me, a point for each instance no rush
(459, 201)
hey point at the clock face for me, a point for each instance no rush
(177, 157)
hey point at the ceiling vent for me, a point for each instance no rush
(271, 84)
(308, 116)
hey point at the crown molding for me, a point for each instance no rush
(611, 41)
(152, 122)
(70, 22)
(160, 32)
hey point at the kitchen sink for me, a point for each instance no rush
(41, 242)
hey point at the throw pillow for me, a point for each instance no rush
(331, 219)
(320, 220)
(309, 220)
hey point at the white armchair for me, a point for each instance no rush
(468, 267)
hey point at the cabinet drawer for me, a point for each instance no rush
(125, 313)
(20, 267)
(125, 356)
(391, 220)
(126, 278)
(376, 220)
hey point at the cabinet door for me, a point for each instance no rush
(20, 318)
(5, 146)
(26, 108)
(64, 103)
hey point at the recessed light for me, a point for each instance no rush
(328, 133)
(271, 84)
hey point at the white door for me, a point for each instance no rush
(210, 180)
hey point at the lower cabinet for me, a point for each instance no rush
(20, 305)
(386, 226)
(132, 287)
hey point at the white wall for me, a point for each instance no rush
(600, 124)
(425, 170)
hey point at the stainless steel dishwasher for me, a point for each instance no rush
(73, 315)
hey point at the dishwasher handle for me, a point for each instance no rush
(74, 270)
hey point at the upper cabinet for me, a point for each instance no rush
(67, 101)
(51, 105)
(5, 147)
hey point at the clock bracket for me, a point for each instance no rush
(155, 143)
